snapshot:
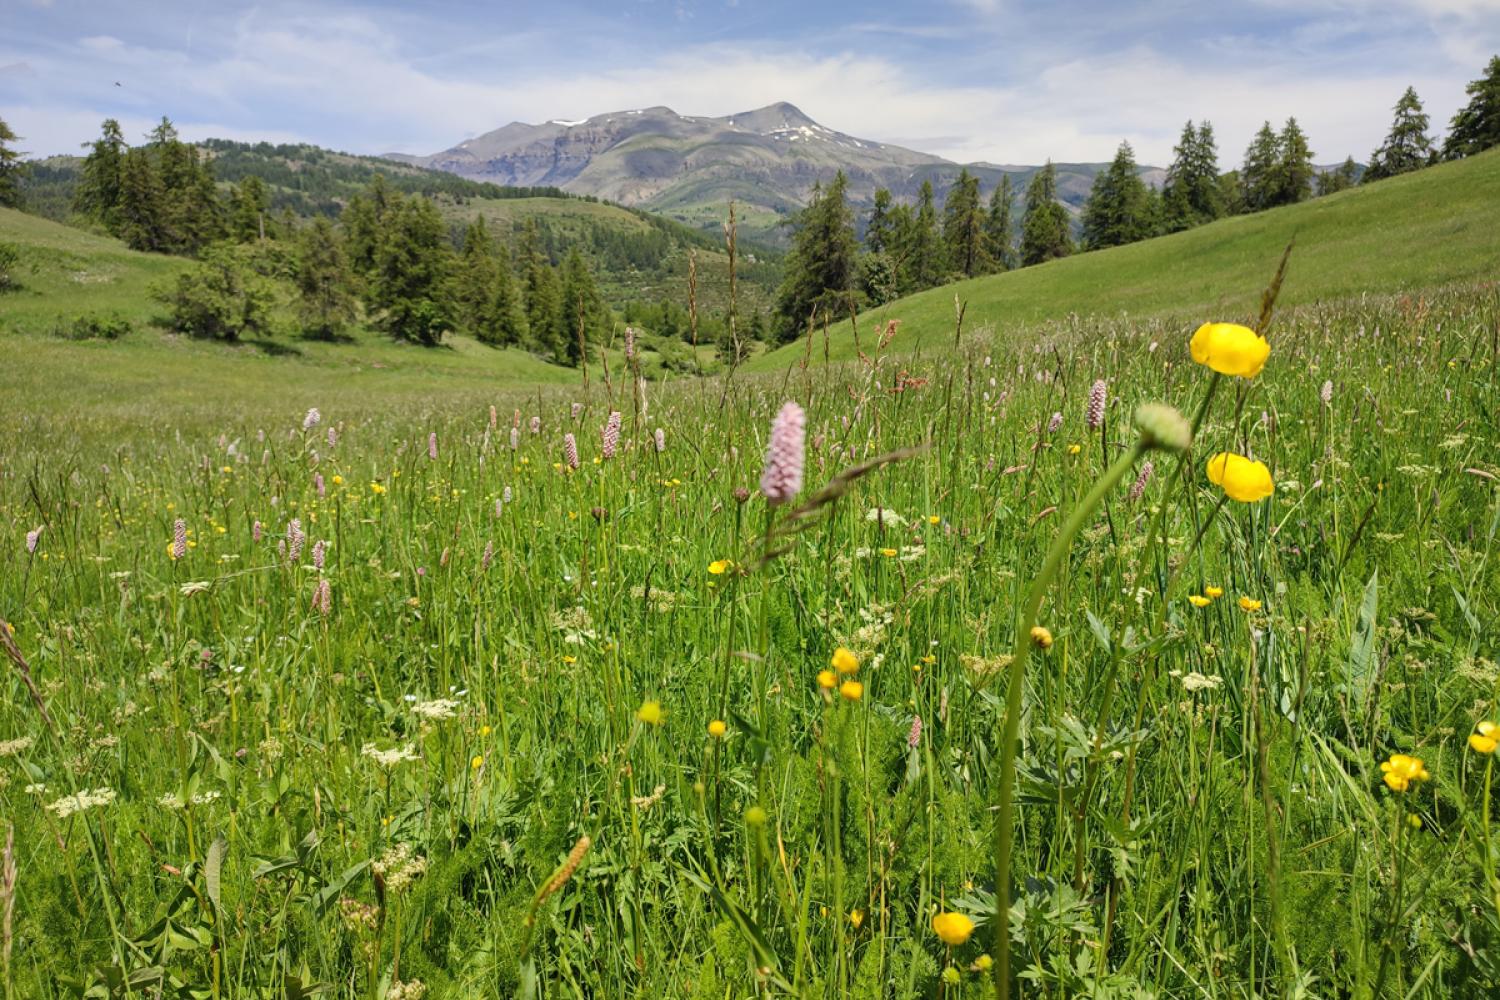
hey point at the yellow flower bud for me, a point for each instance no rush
(1230, 349)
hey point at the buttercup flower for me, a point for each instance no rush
(827, 680)
(953, 928)
(717, 728)
(852, 690)
(844, 661)
(650, 713)
(1242, 479)
(1249, 604)
(1485, 737)
(1230, 349)
(1401, 770)
(1199, 601)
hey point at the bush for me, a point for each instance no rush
(96, 326)
(10, 260)
(224, 297)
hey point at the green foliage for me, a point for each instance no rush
(224, 297)
(10, 263)
(1476, 126)
(1407, 147)
(999, 228)
(408, 283)
(1193, 195)
(1044, 226)
(1342, 177)
(1119, 209)
(249, 212)
(821, 265)
(11, 168)
(326, 302)
(964, 243)
(94, 326)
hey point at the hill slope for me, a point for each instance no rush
(690, 167)
(1418, 230)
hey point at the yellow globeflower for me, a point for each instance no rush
(953, 928)
(1213, 592)
(844, 661)
(1230, 349)
(650, 713)
(1486, 738)
(1199, 601)
(852, 690)
(1401, 770)
(717, 728)
(1243, 479)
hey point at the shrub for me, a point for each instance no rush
(223, 297)
(93, 326)
(10, 260)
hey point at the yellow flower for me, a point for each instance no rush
(650, 713)
(852, 690)
(477, 762)
(983, 963)
(755, 816)
(1214, 592)
(1401, 770)
(826, 680)
(1486, 738)
(1249, 603)
(338, 480)
(929, 659)
(1230, 349)
(1041, 636)
(857, 917)
(888, 553)
(1074, 449)
(377, 489)
(717, 728)
(934, 519)
(951, 975)
(844, 661)
(570, 659)
(1199, 601)
(1242, 479)
(953, 928)
(718, 566)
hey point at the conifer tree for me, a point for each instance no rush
(922, 246)
(1260, 178)
(999, 227)
(139, 212)
(250, 211)
(582, 308)
(475, 278)
(1295, 169)
(544, 321)
(325, 300)
(10, 168)
(409, 283)
(963, 227)
(1044, 226)
(880, 232)
(1193, 193)
(98, 196)
(1407, 147)
(1345, 175)
(820, 267)
(1119, 207)
(1476, 126)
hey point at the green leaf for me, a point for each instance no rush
(1362, 643)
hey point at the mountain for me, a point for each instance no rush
(689, 168)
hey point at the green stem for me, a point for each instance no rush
(1039, 585)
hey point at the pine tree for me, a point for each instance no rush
(881, 231)
(820, 267)
(1260, 178)
(922, 246)
(409, 283)
(325, 301)
(139, 212)
(1119, 207)
(963, 227)
(1044, 225)
(475, 278)
(98, 196)
(1295, 169)
(1476, 126)
(1407, 147)
(1345, 175)
(544, 321)
(1193, 194)
(10, 168)
(582, 308)
(999, 227)
(250, 212)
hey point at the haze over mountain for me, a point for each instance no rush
(688, 167)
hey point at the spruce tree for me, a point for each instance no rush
(1345, 175)
(1295, 170)
(475, 277)
(250, 211)
(1260, 178)
(820, 267)
(999, 227)
(1044, 226)
(544, 320)
(1476, 126)
(139, 212)
(880, 231)
(1407, 147)
(963, 227)
(1193, 193)
(98, 196)
(1119, 207)
(582, 308)
(10, 168)
(325, 300)
(926, 265)
(409, 283)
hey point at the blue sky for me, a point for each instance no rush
(1006, 81)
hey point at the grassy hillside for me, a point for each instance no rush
(151, 377)
(1423, 229)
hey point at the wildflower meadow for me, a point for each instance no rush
(1109, 658)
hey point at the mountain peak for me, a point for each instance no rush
(772, 118)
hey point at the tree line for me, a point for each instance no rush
(829, 273)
